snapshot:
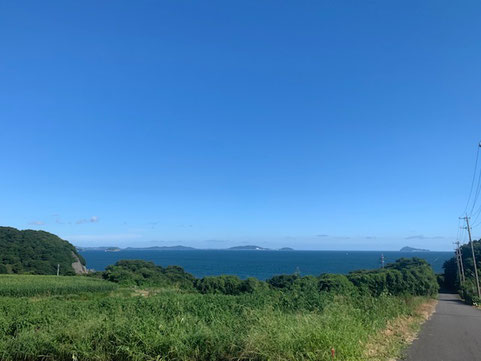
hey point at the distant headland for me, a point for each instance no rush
(412, 249)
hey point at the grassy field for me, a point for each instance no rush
(33, 285)
(76, 319)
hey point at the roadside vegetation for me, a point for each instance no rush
(452, 278)
(136, 310)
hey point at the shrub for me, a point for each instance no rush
(283, 281)
(143, 273)
(227, 285)
(412, 276)
(339, 284)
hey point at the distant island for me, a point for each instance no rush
(248, 248)
(112, 249)
(104, 249)
(179, 248)
(411, 249)
(161, 248)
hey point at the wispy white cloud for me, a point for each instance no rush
(36, 223)
(93, 219)
(422, 236)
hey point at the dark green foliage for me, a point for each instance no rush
(336, 283)
(252, 285)
(469, 292)
(451, 276)
(228, 285)
(35, 252)
(373, 282)
(283, 281)
(413, 276)
(143, 273)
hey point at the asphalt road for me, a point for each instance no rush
(452, 334)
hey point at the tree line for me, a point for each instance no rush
(452, 279)
(410, 276)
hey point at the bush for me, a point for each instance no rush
(339, 284)
(283, 281)
(143, 273)
(228, 285)
(251, 285)
(412, 276)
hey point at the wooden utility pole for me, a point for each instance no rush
(460, 256)
(474, 257)
(58, 269)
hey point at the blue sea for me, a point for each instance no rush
(262, 264)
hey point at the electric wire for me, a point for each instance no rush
(478, 188)
(472, 181)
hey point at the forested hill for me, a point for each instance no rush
(36, 252)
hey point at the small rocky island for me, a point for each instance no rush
(412, 249)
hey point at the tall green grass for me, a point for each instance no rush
(33, 285)
(172, 325)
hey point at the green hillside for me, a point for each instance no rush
(36, 252)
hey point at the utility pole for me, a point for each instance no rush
(460, 256)
(382, 260)
(457, 263)
(58, 269)
(474, 257)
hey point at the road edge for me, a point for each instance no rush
(399, 333)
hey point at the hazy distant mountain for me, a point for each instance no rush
(248, 248)
(176, 248)
(411, 249)
(161, 248)
(112, 249)
(80, 249)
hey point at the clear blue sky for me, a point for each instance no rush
(311, 124)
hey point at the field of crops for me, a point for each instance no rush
(171, 324)
(151, 313)
(33, 285)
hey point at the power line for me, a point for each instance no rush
(472, 181)
(478, 188)
(476, 214)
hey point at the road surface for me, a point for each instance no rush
(452, 334)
